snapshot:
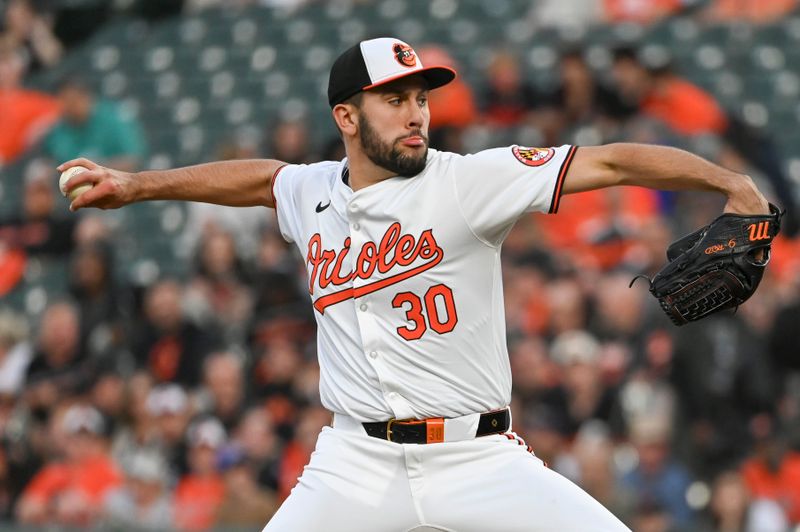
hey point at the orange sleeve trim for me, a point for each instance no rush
(272, 185)
(562, 172)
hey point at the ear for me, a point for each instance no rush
(346, 117)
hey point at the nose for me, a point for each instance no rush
(416, 115)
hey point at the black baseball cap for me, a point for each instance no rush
(375, 62)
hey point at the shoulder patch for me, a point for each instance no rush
(530, 156)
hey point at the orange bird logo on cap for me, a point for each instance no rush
(404, 55)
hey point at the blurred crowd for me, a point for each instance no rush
(191, 402)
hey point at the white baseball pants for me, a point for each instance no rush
(357, 483)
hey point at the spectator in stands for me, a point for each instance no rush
(103, 306)
(255, 435)
(169, 411)
(733, 507)
(509, 98)
(595, 470)
(585, 101)
(137, 433)
(243, 223)
(568, 305)
(59, 368)
(583, 396)
(224, 387)
(298, 451)
(245, 504)
(722, 380)
(25, 115)
(70, 493)
(167, 344)
(658, 482)
(15, 352)
(200, 492)
(219, 285)
(773, 470)
(662, 94)
(37, 229)
(77, 20)
(454, 105)
(620, 312)
(143, 502)
(273, 383)
(94, 128)
(32, 33)
(274, 284)
(289, 140)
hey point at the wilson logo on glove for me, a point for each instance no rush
(759, 231)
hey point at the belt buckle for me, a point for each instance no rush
(389, 429)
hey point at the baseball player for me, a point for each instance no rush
(402, 248)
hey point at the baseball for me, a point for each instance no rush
(66, 175)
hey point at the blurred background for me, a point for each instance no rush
(157, 363)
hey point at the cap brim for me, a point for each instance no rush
(436, 76)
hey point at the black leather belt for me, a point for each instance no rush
(431, 430)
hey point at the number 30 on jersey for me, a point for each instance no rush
(436, 310)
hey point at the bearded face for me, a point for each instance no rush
(389, 155)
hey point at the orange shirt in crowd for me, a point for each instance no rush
(685, 107)
(758, 11)
(582, 216)
(92, 478)
(294, 459)
(196, 500)
(24, 117)
(642, 11)
(781, 486)
(454, 104)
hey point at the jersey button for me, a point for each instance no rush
(363, 307)
(373, 354)
(356, 226)
(393, 395)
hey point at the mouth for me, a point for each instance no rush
(414, 141)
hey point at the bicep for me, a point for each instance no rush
(591, 169)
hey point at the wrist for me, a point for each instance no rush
(744, 197)
(136, 187)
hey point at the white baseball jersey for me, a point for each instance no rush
(405, 279)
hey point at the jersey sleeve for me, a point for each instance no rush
(285, 185)
(496, 186)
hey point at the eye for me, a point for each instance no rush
(422, 101)
(394, 101)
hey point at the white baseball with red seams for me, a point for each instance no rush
(404, 276)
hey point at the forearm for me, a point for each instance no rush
(662, 168)
(666, 168)
(237, 183)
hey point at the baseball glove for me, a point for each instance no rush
(716, 267)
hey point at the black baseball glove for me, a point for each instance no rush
(716, 267)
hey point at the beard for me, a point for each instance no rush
(388, 155)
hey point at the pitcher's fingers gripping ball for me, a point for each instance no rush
(68, 174)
